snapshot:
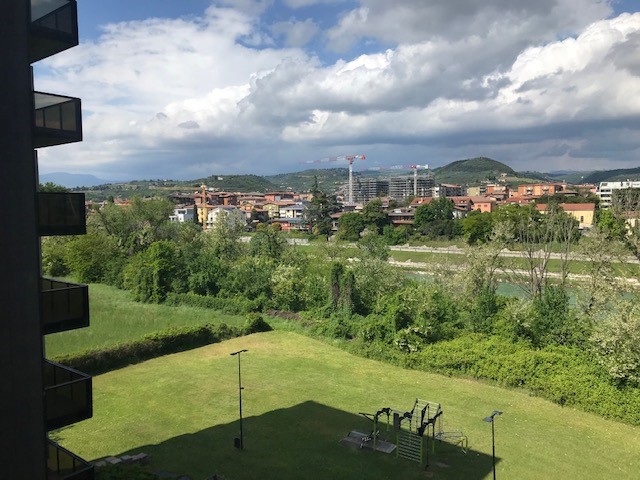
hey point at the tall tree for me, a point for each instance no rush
(319, 210)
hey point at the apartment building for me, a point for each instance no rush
(605, 190)
(39, 395)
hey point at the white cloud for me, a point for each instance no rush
(296, 33)
(183, 97)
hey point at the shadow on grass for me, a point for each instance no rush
(302, 442)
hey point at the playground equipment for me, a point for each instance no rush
(411, 430)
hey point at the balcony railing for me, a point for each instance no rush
(67, 395)
(64, 465)
(61, 214)
(63, 306)
(58, 120)
(54, 27)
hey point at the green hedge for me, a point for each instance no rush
(564, 375)
(231, 306)
(168, 341)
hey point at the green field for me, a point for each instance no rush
(116, 318)
(302, 395)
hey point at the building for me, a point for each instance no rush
(605, 190)
(39, 395)
(409, 186)
(447, 190)
(367, 189)
(183, 213)
(540, 189)
(233, 215)
(583, 212)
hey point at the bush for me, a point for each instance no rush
(255, 324)
(168, 341)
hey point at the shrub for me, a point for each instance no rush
(168, 341)
(255, 324)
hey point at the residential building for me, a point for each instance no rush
(605, 190)
(402, 216)
(583, 212)
(39, 395)
(233, 215)
(183, 213)
(540, 189)
(410, 186)
(448, 190)
(278, 196)
(483, 203)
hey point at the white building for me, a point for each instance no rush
(233, 215)
(183, 214)
(605, 190)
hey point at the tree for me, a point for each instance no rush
(223, 239)
(267, 242)
(152, 273)
(616, 341)
(51, 187)
(373, 246)
(374, 216)
(319, 210)
(350, 225)
(477, 227)
(613, 226)
(435, 219)
(94, 257)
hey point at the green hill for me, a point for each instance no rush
(329, 179)
(472, 171)
(236, 183)
(618, 175)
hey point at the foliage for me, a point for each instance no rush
(94, 257)
(95, 362)
(50, 187)
(396, 235)
(256, 324)
(616, 341)
(477, 227)
(151, 274)
(229, 305)
(318, 211)
(267, 242)
(222, 240)
(435, 219)
(350, 225)
(613, 226)
(54, 251)
(374, 216)
(373, 246)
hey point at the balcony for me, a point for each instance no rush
(64, 465)
(54, 27)
(58, 120)
(61, 214)
(67, 395)
(63, 306)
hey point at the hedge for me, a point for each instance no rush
(95, 362)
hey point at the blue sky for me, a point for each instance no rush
(184, 89)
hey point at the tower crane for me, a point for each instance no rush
(348, 158)
(415, 169)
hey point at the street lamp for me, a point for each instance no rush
(238, 441)
(490, 419)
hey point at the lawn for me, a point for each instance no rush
(302, 395)
(115, 318)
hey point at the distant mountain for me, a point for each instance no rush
(619, 175)
(71, 180)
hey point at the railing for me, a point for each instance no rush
(54, 27)
(64, 465)
(61, 214)
(67, 394)
(63, 306)
(58, 119)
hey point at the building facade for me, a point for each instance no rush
(605, 190)
(42, 395)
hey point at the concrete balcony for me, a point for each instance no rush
(64, 465)
(54, 28)
(67, 395)
(63, 306)
(61, 214)
(58, 120)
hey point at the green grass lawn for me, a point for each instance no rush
(116, 318)
(302, 395)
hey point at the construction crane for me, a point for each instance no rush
(348, 158)
(415, 169)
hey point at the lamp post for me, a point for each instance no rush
(238, 441)
(490, 419)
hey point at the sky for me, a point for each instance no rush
(191, 88)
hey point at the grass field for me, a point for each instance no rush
(116, 318)
(301, 396)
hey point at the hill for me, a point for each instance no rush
(235, 183)
(472, 171)
(618, 175)
(329, 179)
(71, 180)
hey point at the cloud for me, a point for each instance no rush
(186, 97)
